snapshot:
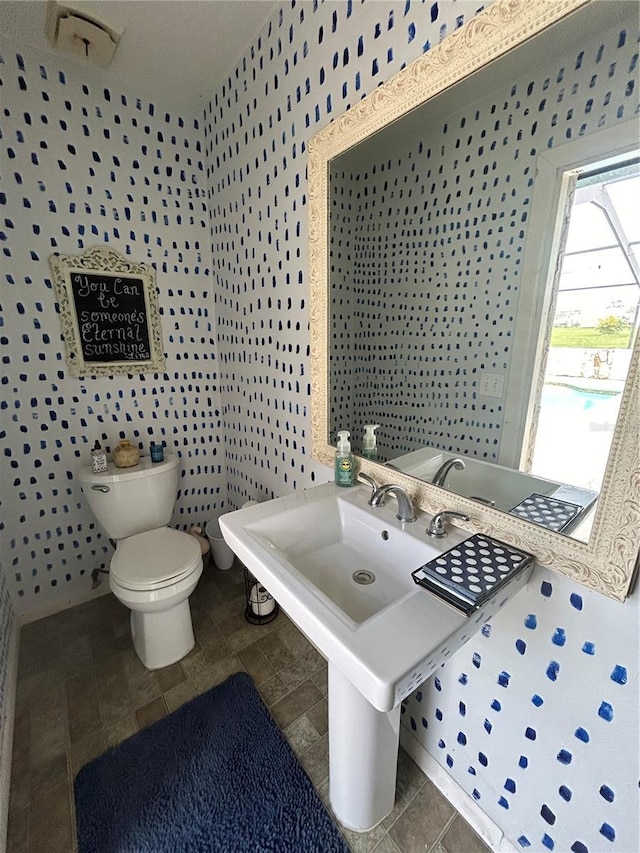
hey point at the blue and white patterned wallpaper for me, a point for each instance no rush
(537, 719)
(311, 62)
(83, 164)
(236, 395)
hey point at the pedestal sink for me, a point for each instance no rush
(342, 572)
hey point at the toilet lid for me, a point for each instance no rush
(155, 558)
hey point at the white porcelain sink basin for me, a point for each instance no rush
(382, 639)
(361, 560)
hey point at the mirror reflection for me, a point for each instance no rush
(484, 276)
(595, 326)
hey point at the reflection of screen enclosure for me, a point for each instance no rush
(594, 329)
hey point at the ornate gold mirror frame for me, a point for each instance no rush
(608, 561)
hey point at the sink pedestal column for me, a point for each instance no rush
(363, 755)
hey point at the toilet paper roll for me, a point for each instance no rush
(262, 603)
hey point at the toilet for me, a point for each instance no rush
(155, 568)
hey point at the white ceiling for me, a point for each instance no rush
(176, 51)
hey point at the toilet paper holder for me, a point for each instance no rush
(261, 606)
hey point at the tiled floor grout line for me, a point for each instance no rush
(444, 831)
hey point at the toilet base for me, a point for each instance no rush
(164, 637)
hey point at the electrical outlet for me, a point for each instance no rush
(491, 384)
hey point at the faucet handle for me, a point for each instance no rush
(437, 527)
(365, 478)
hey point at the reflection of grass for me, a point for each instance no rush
(589, 337)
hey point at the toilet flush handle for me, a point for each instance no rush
(99, 488)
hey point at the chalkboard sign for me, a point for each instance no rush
(112, 317)
(109, 313)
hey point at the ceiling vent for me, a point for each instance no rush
(70, 29)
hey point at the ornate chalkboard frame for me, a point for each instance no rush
(124, 296)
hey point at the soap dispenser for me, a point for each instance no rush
(344, 473)
(369, 449)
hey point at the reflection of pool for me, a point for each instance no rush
(562, 397)
(573, 435)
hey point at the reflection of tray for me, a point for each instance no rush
(469, 573)
(548, 512)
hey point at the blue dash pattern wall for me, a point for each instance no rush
(310, 63)
(536, 718)
(84, 164)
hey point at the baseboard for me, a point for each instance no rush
(465, 805)
(6, 747)
(64, 603)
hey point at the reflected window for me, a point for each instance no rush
(595, 327)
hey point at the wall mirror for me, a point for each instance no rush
(446, 213)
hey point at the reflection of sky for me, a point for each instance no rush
(625, 195)
(591, 305)
(588, 221)
(606, 266)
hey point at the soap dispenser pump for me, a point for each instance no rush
(369, 448)
(344, 460)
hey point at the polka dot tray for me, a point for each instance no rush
(469, 573)
(549, 512)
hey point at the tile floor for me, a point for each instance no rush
(81, 689)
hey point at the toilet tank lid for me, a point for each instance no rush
(144, 468)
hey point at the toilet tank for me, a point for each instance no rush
(127, 501)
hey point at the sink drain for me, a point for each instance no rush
(363, 576)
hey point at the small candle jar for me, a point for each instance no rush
(157, 452)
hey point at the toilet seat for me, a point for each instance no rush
(155, 559)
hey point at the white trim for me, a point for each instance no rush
(6, 747)
(465, 805)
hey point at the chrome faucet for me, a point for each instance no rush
(378, 496)
(480, 499)
(406, 512)
(441, 474)
(437, 527)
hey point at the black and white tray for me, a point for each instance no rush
(469, 573)
(548, 512)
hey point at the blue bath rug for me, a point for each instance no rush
(216, 776)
